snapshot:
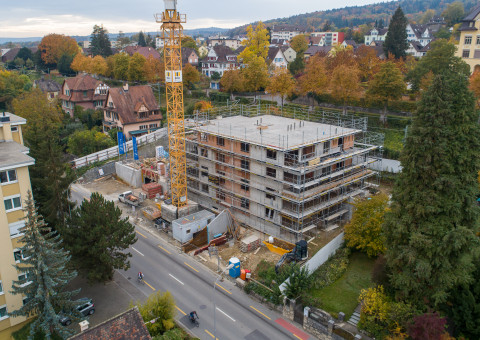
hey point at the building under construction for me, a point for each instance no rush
(282, 176)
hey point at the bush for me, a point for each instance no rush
(198, 94)
(243, 100)
(24, 333)
(219, 97)
(332, 270)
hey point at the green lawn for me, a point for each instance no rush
(342, 296)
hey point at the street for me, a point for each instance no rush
(191, 284)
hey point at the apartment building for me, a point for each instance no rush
(468, 47)
(328, 38)
(14, 184)
(282, 176)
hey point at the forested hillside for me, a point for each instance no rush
(358, 15)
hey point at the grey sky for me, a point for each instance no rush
(28, 18)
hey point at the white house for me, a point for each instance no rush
(219, 59)
(277, 58)
(285, 32)
(376, 34)
(159, 43)
(289, 53)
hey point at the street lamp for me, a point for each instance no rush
(230, 266)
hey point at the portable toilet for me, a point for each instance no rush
(235, 270)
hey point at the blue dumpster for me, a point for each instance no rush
(235, 270)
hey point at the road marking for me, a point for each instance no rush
(72, 189)
(176, 279)
(190, 266)
(295, 335)
(141, 234)
(223, 288)
(210, 334)
(165, 250)
(228, 316)
(149, 285)
(181, 311)
(260, 312)
(138, 251)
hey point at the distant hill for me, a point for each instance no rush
(358, 15)
(193, 32)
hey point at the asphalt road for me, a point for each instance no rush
(191, 284)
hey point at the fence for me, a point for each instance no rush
(113, 151)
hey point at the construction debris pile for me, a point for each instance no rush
(249, 243)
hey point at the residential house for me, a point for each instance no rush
(189, 56)
(416, 49)
(376, 34)
(328, 38)
(159, 42)
(276, 57)
(289, 53)
(312, 50)
(49, 87)
(279, 42)
(233, 43)
(219, 59)
(14, 185)
(131, 109)
(468, 47)
(146, 51)
(285, 32)
(11, 54)
(82, 90)
(351, 43)
(128, 325)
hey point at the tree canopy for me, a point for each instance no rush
(396, 40)
(99, 42)
(53, 46)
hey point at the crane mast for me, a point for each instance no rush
(172, 32)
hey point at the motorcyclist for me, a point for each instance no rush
(140, 276)
(193, 316)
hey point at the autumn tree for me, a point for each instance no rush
(345, 84)
(475, 86)
(256, 74)
(190, 76)
(53, 46)
(159, 308)
(120, 70)
(314, 80)
(154, 70)
(98, 65)
(122, 40)
(396, 40)
(202, 105)
(190, 43)
(364, 231)
(367, 61)
(232, 81)
(256, 44)
(453, 13)
(427, 16)
(299, 43)
(99, 42)
(427, 222)
(11, 85)
(81, 63)
(85, 142)
(340, 57)
(387, 84)
(136, 71)
(282, 84)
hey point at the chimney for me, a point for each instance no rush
(4, 118)
(125, 87)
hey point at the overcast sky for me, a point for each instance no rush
(33, 18)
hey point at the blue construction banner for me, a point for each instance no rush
(121, 143)
(135, 149)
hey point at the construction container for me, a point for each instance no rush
(184, 228)
(235, 270)
(243, 274)
(152, 189)
(278, 246)
(151, 213)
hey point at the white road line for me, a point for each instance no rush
(176, 279)
(228, 316)
(138, 251)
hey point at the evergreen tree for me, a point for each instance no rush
(97, 237)
(430, 232)
(64, 65)
(396, 41)
(100, 43)
(141, 39)
(44, 266)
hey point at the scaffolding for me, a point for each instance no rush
(298, 182)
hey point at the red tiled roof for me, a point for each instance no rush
(127, 103)
(79, 84)
(128, 325)
(145, 51)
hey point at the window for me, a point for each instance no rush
(326, 147)
(8, 176)
(12, 203)
(245, 147)
(270, 197)
(272, 154)
(269, 212)
(23, 278)
(203, 137)
(25, 300)
(204, 153)
(3, 312)
(245, 164)
(269, 189)
(220, 141)
(468, 40)
(204, 167)
(14, 128)
(143, 127)
(221, 195)
(478, 40)
(245, 203)
(17, 254)
(221, 157)
(205, 187)
(271, 172)
(152, 126)
(1, 288)
(466, 54)
(205, 174)
(245, 187)
(84, 93)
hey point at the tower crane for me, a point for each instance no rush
(172, 33)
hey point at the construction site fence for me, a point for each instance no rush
(113, 151)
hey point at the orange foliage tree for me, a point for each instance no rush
(154, 70)
(367, 61)
(81, 63)
(314, 80)
(190, 75)
(53, 46)
(98, 65)
(345, 84)
(475, 85)
(232, 81)
(282, 84)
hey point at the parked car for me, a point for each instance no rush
(86, 307)
(129, 198)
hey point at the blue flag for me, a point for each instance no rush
(135, 149)
(121, 143)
